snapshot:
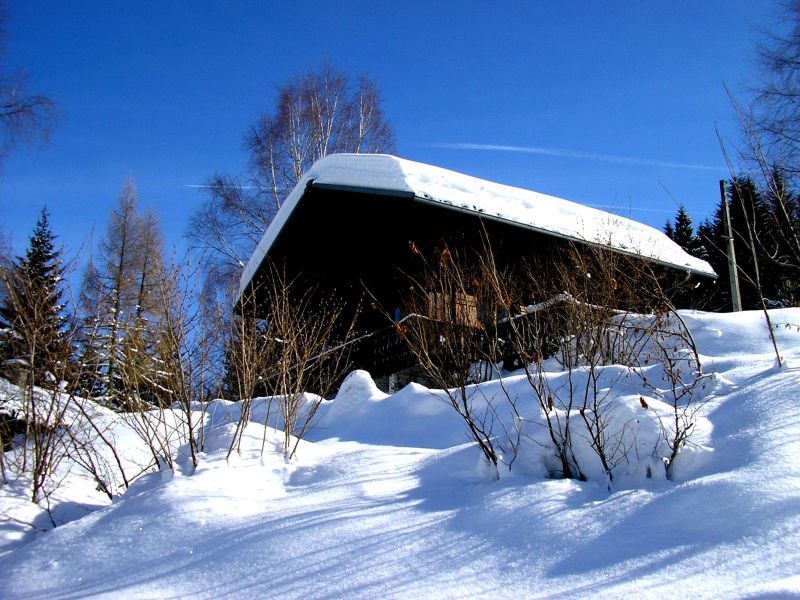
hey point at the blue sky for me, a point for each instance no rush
(612, 104)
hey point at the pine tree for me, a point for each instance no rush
(706, 236)
(752, 234)
(685, 236)
(34, 339)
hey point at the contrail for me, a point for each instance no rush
(205, 186)
(611, 158)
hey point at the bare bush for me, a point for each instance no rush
(177, 371)
(604, 318)
(648, 336)
(661, 346)
(305, 338)
(249, 355)
(38, 353)
(529, 324)
(448, 338)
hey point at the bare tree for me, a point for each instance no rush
(776, 110)
(319, 113)
(122, 295)
(779, 245)
(24, 116)
(771, 130)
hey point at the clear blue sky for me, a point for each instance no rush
(619, 100)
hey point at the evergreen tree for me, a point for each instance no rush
(32, 313)
(706, 237)
(751, 229)
(753, 241)
(685, 236)
(669, 230)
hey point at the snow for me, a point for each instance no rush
(388, 499)
(540, 212)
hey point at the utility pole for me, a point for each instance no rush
(736, 299)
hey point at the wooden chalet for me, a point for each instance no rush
(355, 222)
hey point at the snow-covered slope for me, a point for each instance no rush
(388, 501)
(540, 212)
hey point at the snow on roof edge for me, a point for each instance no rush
(450, 189)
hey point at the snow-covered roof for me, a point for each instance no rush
(382, 173)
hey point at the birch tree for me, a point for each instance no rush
(319, 113)
(24, 115)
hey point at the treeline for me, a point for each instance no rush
(118, 340)
(765, 222)
(143, 342)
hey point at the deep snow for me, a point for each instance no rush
(388, 499)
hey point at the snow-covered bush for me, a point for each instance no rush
(294, 346)
(623, 386)
(606, 321)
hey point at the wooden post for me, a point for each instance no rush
(733, 272)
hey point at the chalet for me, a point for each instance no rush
(354, 222)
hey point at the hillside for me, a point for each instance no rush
(388, 499)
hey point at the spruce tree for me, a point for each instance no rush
(682, 233)
(685, 236)
(669, 230)
(32, 313)
(752, 237)
(751, 230)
